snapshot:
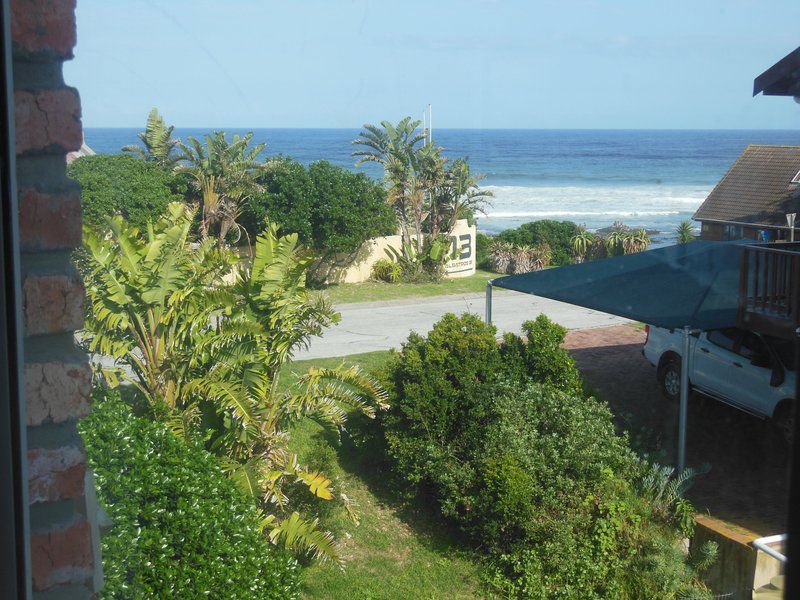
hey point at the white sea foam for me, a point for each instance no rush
(659, 207)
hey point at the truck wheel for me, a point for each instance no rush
(669, 376)
(783, 422)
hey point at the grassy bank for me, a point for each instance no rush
(344, 293)
(394, 551)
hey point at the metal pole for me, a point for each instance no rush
(684, 403)
(430, 124)
(489, 303)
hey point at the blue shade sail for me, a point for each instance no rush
(694, 284)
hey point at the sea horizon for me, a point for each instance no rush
(646, 178)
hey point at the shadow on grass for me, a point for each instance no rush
(360, 454)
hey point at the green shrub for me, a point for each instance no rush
(332, 210)
(387, 270)
(557, 234)
(542, 358)
(181, 528)
(504, 442)
(120, 183)
(483, 245)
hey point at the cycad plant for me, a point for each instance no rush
(204, 339)
(684, 232)
(158, 145)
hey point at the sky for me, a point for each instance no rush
(639, 64)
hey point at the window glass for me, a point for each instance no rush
(724, 338)
(753, 347)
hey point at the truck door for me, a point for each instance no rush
(712, 362)
(751, 374)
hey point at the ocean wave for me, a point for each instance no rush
(577, 213)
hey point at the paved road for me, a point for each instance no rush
(368, 326)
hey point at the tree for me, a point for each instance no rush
(455, 194)
(121, 184)
(684, 232)
(159, 145)
(333, 210)
(393, 147)
(204, 338)
(225, 174)
(349, 209)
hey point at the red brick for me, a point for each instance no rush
(55, 474)
(62, 555)
(52, 303)
(49, 221)
(47, 120)
(56, 391)
(43, 26)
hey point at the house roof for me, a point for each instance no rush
(757, 189)
(782, 78)
(76, 154)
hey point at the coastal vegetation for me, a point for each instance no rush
(167, 498)
(427, 191)
(556, 234)
(158, 145)
(456, 467)
(122, 184)
(203, 339)
(684, 233)
(332, 210)
(505, 444)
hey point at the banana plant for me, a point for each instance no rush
(204, 339)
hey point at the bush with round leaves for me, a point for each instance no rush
(123, 184)
(181, 529)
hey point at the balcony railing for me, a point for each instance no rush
(769, 289)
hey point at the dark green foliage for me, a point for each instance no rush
(287, 199)
(505, 443)
(542, 358)
(557, 234)
(483, 244)
(332, 209)
(181, 528)
(121, 183)
(349, 209)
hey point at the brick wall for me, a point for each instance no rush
(64, 551)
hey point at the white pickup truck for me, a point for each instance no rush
(749, 371)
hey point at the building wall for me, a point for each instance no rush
(357, 268)
(717, 232)
(63, 542)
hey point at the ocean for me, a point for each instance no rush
(651, 179)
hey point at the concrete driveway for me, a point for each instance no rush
(369, 326)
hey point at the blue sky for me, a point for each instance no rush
(481, 63)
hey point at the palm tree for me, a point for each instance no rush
(394, 147)
(159, 145)
(225, 174)
(684, 232)
(461, 196)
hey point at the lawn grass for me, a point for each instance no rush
(344, 293)
(395, 550)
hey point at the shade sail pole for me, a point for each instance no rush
(684, 402)
(489, 302)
